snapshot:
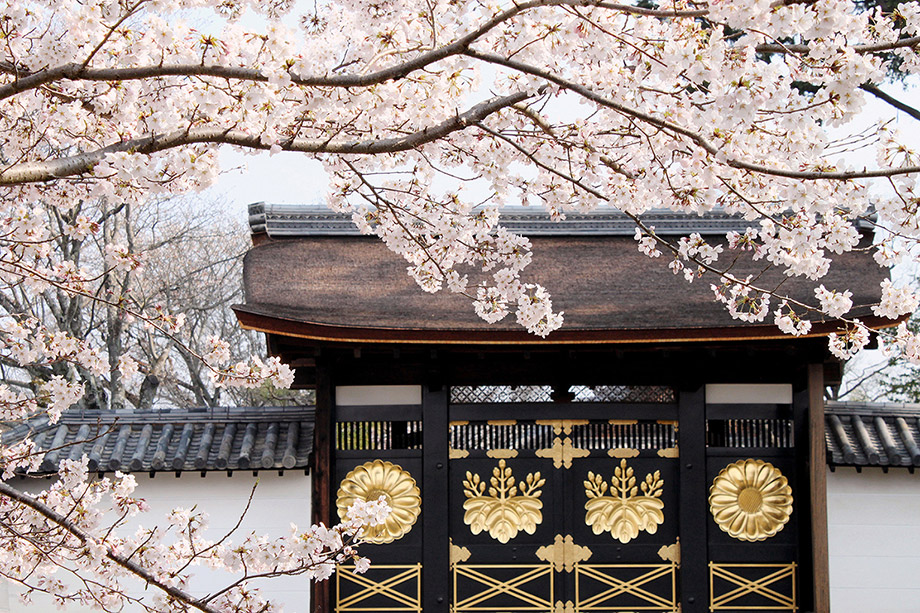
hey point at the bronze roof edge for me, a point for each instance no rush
(253, 318)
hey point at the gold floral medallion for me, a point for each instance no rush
(507, 509)
(750, 500)
(624, 513)
(370, 481)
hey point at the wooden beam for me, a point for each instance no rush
(817, 462)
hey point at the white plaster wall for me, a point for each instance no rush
(279, 500)
(874, 540)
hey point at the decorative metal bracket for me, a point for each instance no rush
(562, 453)
(564, 554)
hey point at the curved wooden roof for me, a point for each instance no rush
(344, 287)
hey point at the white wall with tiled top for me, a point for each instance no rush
(873, 531)
(279, 501)
(874, 540)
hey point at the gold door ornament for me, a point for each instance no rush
(564, 554)
(624, 513)
(562, 453)
(750, 500)
(507, 509)
(370, 481)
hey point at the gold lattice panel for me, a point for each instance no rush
(382, 588)
(626, 587)
(752, 587)
(503, 587)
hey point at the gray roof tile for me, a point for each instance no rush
(872, 434)
(287, 220)
(253, 438)
(258, 438)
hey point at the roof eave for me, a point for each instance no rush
(253, 318)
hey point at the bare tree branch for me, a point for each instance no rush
(901, 106)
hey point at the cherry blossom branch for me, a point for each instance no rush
(695, 137)
(723, 274)
(132, 567)
(82, 72)
(36, 172)
(902, 43)
(26, 80)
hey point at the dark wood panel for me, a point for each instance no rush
(395, 412)
(436, 538)
(694, 573)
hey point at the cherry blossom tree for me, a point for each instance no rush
(191, 264)
(429, 116)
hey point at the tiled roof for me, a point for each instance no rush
(281, 220)
(259, 438)
(284, 220)
(253, 438)
(872, 434)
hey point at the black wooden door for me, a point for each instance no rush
(378, 452)
(564, 507)
(576, 506)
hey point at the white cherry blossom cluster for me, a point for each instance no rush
(903, 343)
(254, 373)
(789, 322)
(77, 526)
(846, 343)
(833, 303)
(743, 302)
(896, 301)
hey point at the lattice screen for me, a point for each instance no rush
(500, 394)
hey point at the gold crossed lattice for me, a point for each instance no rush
(748, 587)
(492, 587)
(410, 600)
(636, 587)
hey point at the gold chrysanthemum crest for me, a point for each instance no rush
(507, 509)
(624, 513)
(370, 481)
(750, 500)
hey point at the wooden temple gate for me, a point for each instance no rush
(604, 498)
(654, 454)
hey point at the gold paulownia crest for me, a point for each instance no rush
(370, 481)
(508, 508)
(750, 500)
(624, 513)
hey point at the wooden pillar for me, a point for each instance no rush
(817, 462)
(436, 586)
(694, 509)
(321, 593)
